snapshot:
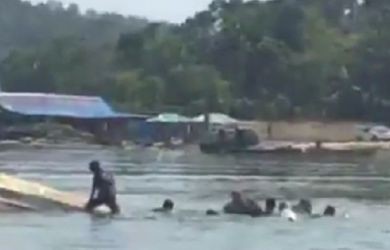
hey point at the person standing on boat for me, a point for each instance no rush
(103, 189)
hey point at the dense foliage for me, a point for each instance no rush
(253, 59)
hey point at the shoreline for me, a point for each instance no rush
(304, 131)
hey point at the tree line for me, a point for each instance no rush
(280, 59)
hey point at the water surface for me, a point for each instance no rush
(358, 186)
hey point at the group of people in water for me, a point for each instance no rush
(243, 205)
(104, 193)
(246, 206)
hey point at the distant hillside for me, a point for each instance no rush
(23, 25)
(280, 59)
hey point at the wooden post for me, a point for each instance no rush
(207, 122)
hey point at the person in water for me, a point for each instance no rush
(303, 207)
(270, 205)
(211, 212)
(286, 212)
(329, 211)
(242, 205)
(103, 189)
(167, 207)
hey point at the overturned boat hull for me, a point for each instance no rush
(22, 194)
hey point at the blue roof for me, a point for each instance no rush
(39, 104)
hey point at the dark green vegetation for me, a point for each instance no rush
(253, 59)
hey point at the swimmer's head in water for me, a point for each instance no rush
(283, 205)
(305, 205)
(330, 211)
(270, 205)
(94, 166)
(236, 196)
(168, 204)
(211, 212)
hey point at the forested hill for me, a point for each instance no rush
(253, 59)
(23, 25)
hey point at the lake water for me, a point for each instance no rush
(357, 186)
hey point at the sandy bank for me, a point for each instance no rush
(304, 130)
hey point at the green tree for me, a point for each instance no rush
(132, 91)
